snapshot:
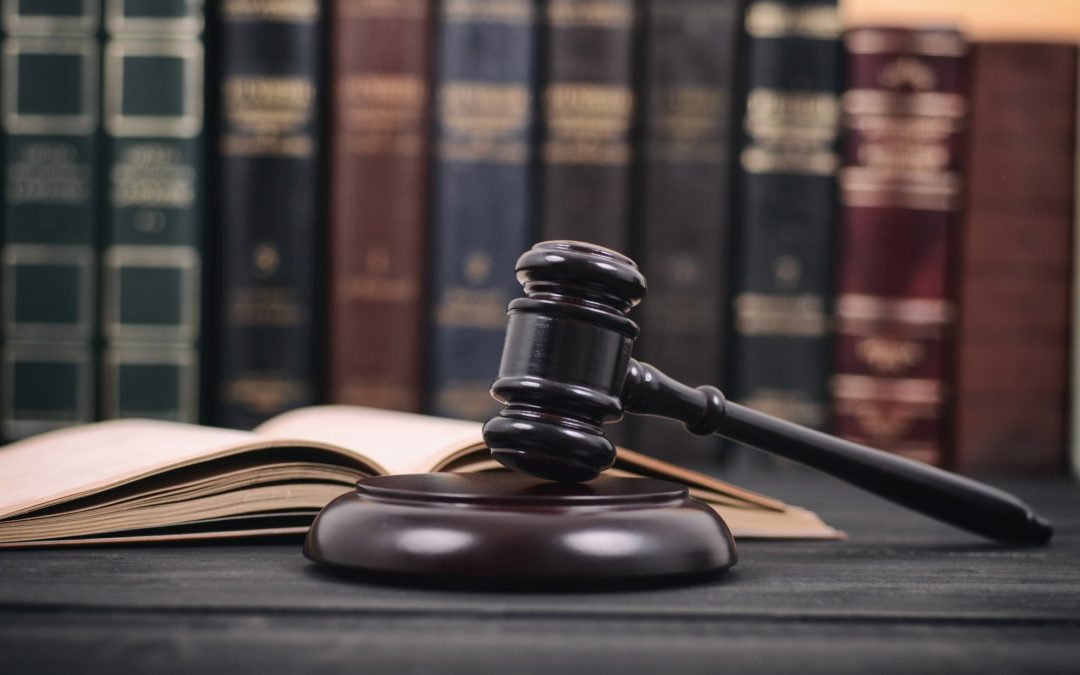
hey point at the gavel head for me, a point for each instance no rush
(566, 355)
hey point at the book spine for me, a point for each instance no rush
(690, 49)
(786, 209)
(152, 261)
(48, 265)
(587, 121)
(1074, 398)
(901, 190)
(1012, 337)
(485, 119)
(378, 202)
(270, 205)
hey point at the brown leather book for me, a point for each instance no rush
(1012, 339)
(588, 115)
(379, 121)
(901, 194)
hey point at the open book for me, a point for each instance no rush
(140, 480)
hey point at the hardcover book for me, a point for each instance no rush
(1074, 392)
(379, 128)
(152, 261)
(1015, 267)
(902, 192)
(785, 207)
(128, 481)
(483, 194)
(49, 259)
(269, 207)
(683, 201)
(588, 110)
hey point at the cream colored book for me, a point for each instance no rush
(129, 481)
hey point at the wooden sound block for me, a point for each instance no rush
(507, 526)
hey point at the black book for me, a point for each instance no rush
(684, 209)
(786, 209)
(270, 206)
(587, 120)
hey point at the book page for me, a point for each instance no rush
(399, 442)
(69, 463)
(408, 443)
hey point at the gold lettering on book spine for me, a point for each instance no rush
(484, 122)
(775, 20)
(256, 306)
(687, 124)
(883, 422)
(152, 175)
(267, 394)
(488, 11)
(801, 315)
(919, 391)
(791, 132)
(381, 114)
(286, 11)
(269, 116)
(591, 13)
(925, 43)
(48, 173)
(587, 124)
(904, 139)
(889, 356)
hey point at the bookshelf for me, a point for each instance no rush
(355, 213)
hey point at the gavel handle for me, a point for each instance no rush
(956, 500)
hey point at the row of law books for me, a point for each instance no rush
(221, 212)
(268, 205)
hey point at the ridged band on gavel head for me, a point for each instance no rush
(565, 358)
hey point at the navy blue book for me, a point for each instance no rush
(269, 208)
(485, 117)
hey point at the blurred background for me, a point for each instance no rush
(858, 217)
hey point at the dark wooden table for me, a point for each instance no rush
(902, 595)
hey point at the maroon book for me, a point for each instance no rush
(901, 195)
(1013, 286)
(379, 135)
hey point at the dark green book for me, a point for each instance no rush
(48, 265)
(152, 262)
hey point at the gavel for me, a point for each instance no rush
(566, 370)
